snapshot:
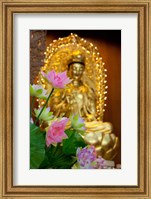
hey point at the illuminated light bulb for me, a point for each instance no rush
(105, 98)
(106, 87)
(105, 104)
(39, 106)
(105, 69)
(37, 100)
(105, 75)
(103, 63)
(100, 58)
(105, 81)
(98, 53)
(103, 110)
(96, 48)
(85, 41)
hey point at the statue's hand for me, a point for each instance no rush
(90, 118)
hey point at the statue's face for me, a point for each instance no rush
(76, 71)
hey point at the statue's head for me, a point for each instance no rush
(76, 67)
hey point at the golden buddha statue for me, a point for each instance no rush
(86, 94)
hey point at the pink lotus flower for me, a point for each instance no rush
(87, 158)
(55, 132)
(58, 80)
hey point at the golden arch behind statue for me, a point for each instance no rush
(58, 55)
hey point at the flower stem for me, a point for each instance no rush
(32, 104)
(44, 105)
